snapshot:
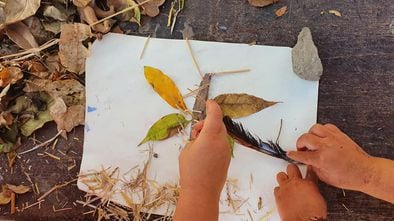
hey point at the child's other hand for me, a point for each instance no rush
(334, 157)
(204, 163)
(297, 198)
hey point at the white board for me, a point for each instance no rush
(122, 106)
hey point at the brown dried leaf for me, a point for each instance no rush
(241, 105)
(10, 75)
(20, 34)
(18, 10)
(36, 68)
(262, 3)
(151, 8)
(56, 13)
(72, 52)
(88, 15)
(6, 118)
(81, 3)
(280, 12)
(53, 27)
(18, 189)
(71, 91)
(67, 118)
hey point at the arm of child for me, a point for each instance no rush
(339, 161)
(203, 166)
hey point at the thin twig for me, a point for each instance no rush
(119, 12)
(33, 50)
(42, 144)
(36, 203)
(280, 130)
(232, 71)
(52, 156)
(193, 58)
(145, 46)
(55, 188)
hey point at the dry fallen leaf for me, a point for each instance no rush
(241, 105)
(18, 10)
(280, 12)
(72, 52)
(59, 14)
(262, 3)
(165, 87)
(5, 196)
(335, 12)
(151, 8)
(18, 189)
(21, 35)
(67, 118)
(10, 75)
(35, 123)
(165, 127)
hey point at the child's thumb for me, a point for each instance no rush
(213, 123)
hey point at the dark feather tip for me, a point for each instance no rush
(246, 138)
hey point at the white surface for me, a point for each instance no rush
(127, 106)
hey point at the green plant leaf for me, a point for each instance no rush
(241, 105)
(165, 127)
(35, 123)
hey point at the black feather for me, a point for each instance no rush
(246, 138)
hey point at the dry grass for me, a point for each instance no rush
(141, 195)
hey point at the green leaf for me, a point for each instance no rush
(165, 127)
(33, 124)
(6, 147)
(137, 11)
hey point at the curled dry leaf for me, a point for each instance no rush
(165, 127)
(151, 8)
(5, 196)
(262, 3)
(165, 87)
(18, 189)
(241, 105)
(20, 34)
(10, 75)
(18, 10)
(72, 52)
(81, 3)
(88, 15)
(280, 12)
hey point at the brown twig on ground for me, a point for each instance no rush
(13, 209)
(58, 186)
(42, 144)
(32, 51)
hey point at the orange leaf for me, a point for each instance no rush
(165, 87)
(280, 12)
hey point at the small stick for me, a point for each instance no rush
(33, 50)
(232, 71)
(42, 144)
(119, 12)
(13, 209)
(194, 58)
(52, 156)
(36, 203)
(145, 46)
(55, 188)
(60, 210)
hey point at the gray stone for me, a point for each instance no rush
(306, 62)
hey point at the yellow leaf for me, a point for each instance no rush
(241, 105)
(165, 87)
(335, 12)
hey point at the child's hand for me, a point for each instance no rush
(334, 157)
(203, 164)
(297, 198)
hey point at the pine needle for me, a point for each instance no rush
(145, 46)
(232, 71)
(193, 57)
(42, 144)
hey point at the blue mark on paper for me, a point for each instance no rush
(91, 109)
(87, 128)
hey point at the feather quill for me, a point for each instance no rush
(246, 138)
